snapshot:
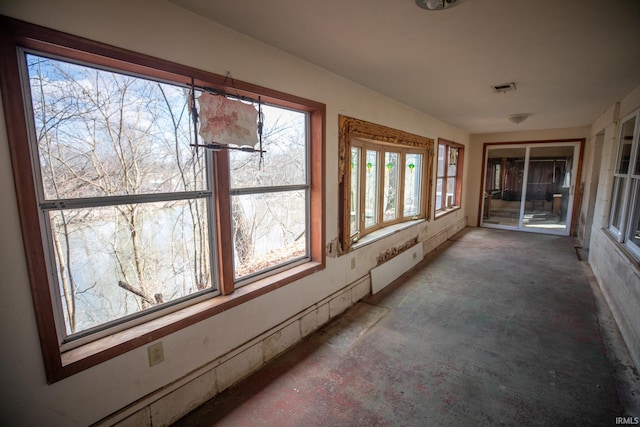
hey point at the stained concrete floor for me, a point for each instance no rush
(494, 328)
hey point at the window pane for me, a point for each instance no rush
(618, 197)
(269, 229)
(284, 163)
(442, 156)
(390, 195)
(452, 161)
(111, 262)
(439, 193)
(626, 140)
(450, 200)
(412, 174)
(100, 133)
(634, 224)
(355, 190)
(371, 189)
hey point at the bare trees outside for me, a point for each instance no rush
(127, 203)
(119, 191)
(269, 200)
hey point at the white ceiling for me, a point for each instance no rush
(570, 59)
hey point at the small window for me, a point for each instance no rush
(386, 179)
(624, 215)
(449, 176)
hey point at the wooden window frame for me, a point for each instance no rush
(459, 169)
(356, 132)
(59, 364)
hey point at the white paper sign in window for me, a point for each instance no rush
(226, 121)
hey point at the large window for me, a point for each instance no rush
(125, 220)
(449, 176)
(624, 216)
(125, 202)
(383, 177)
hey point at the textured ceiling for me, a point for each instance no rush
(570, 59)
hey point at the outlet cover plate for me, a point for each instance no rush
(156, 353)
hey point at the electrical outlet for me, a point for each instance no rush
(353, 263)
(156, 353)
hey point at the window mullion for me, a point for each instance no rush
(380, 189)
(363, 189)
(401, 183)
(89, 202)
(223, 214)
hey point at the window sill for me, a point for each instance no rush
(445, 212)
(103, 349)
(384, 232)
(623, 250)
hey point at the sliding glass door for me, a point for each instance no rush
(530, 187)
(503, 186)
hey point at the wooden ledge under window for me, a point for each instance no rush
(103, 349)
(445, 212)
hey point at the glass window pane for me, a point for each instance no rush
(412, 174)
(284, 162)
(269, 229)
(355, 190)
(439, 193)
(626, 140)
(618, 197)
(452, 161)
(111, 262)
(450, 200)
(442, 159)
(633, 235)
(371, 189)
(497, 177)
(390, 189)
(101, 133)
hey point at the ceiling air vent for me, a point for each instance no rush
(504, 87)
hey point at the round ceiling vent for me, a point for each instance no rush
(434, 4)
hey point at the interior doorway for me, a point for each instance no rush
(530, 186)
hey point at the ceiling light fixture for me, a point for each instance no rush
(518, 118)
(434, 4)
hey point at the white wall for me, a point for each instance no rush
(617, 273)
(163, 30)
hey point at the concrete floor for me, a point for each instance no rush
(494, 328)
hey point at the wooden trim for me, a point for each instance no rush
(223, 222)
(317, 175)
(578, 192)
(27, 202)
(483, 176)
(349, 128)
(99, 351)
(58, 43)
(441, 214)
(58, 364)
(544, 141)
(459, 174)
